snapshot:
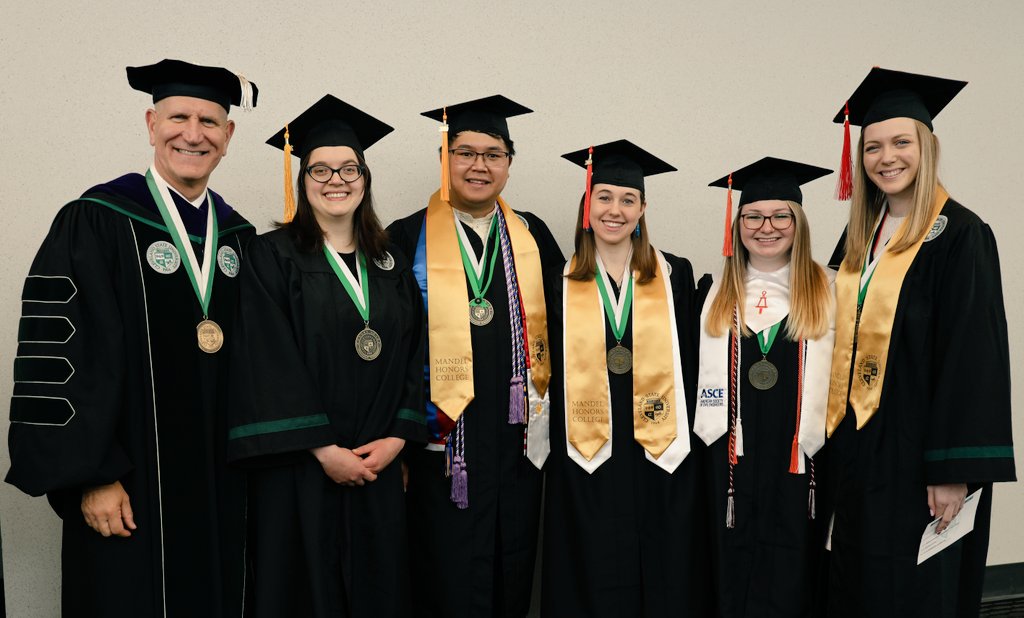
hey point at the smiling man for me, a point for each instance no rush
(474, 512)
(118, 407)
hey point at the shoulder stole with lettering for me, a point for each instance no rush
(451, 350)
(660, 421)
(875, 330)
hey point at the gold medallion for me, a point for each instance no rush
(368, 344)
(763, 375)
(620, 360)
(210, 336)
(481, 312)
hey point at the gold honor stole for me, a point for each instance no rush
(659, 414)
(872, 335)
(451, 347)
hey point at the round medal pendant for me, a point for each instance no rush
(210, 336)
(368, 344)
(763, 375)
(481, 312)
(620, 360)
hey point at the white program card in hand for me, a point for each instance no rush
(932, 543)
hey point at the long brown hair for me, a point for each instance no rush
(810, 301)
(868, 199)
(370, 236)
(643, 262)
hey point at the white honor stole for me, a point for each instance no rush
(767, 303)
(680, 446)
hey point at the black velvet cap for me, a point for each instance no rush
(171, 78)
(486, 115)
(886, 94)
(331, 122)
(620, 163)
(772, 179)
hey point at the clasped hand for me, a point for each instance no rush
(351, 467)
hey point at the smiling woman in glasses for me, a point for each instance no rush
(765, 353)
(329, 385)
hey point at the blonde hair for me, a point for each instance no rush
(644, 263)
(810, 302)
(868, 199)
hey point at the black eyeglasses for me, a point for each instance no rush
(492, 158)
(779, 221)
(323, 173)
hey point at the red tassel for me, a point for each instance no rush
(727, 244)
(586, 196)
(844, 185)
(794, 454)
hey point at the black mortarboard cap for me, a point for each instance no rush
(486, 115)
(771, 179)
(886, 94)
(331, 122)
(620, 163)
(169, 78)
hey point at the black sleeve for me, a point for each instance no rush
(69, 374)
(410, 421)
(839, 253)
(550, 253)
(686, 325)
(968, 437)
(399, 237)
(275, 405)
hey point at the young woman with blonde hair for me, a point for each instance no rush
(919, 403)
(765, 350)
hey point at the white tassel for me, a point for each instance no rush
(246, 103)
(739, 437)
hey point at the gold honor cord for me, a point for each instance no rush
(586, 377)
(587, 395)
(874, 331)
(451, 347)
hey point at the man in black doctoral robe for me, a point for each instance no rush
(119, 399)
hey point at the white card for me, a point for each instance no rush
(932, 543)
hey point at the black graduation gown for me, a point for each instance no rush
(478, 561)
(110, 385)
(944, 417)
(319, 548)
(629, 539)
(767, 565)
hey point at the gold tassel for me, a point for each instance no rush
(446, 180)
(289, 192)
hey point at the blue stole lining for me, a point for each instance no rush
(419, 269)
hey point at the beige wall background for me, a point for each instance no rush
(707, 86)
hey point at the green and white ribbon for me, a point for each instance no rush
(200, 276)
(475, 267)
(617, 311)
(357, 285)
